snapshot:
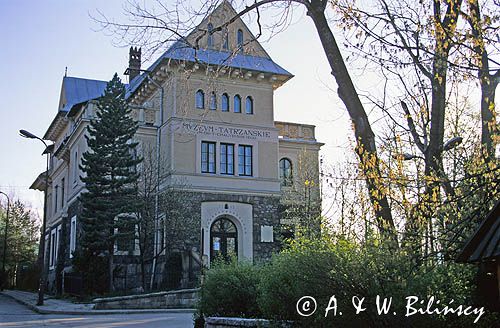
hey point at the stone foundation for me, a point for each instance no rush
(181, 266)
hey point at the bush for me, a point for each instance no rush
(230, 290)
(330, 266)
(320, 269)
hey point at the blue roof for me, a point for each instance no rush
(180, 51)
(78, 90)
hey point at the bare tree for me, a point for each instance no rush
(166, 226)
(301, 198)
(167, 23)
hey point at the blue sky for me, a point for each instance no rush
(41, 38)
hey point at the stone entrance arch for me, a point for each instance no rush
(240, 214)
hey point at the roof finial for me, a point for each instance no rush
(66, 71)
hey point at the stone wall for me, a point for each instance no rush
(222, 322)
(185, 298)
(185, 244)
(265, 212)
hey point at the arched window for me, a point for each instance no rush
(200, 99)
(213, 101)
(239, 38)
(225, 38)
(223, 239)
(210, 41)
(286, 175)
(237, 104)
(249, 105)
(225, 102)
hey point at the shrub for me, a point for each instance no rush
(331, 266)
(230, 290)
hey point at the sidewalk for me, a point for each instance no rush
(59, 306)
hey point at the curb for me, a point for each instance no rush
(39, 310)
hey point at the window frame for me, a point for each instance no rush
(243, 159)
(208, 161)
(224, 98)
(76, 169)
(213, 101)
(249, 100)
(210, 37)
(72, 236)
(237, 109)
(52, 253)
(56, 198)
(286, 180)
(229, 231)
(131, 235)
(199, 97)
(55, 235)
(239, 39)
(63, 190)
(224, 166)
(225, 39)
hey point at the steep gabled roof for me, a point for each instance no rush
(180, 50)
(78, 90)
(74, 91)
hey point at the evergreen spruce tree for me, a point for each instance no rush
(111, 183)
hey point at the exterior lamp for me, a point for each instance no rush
(452, 143)
(41, 286)
(4, 276)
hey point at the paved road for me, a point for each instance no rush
(13, 314)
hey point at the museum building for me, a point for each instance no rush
(207, 116)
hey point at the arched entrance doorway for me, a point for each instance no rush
(223, 239)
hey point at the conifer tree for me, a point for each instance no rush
(111, 183)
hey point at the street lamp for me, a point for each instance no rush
(41, 286)
(450, 144)
(4, 276)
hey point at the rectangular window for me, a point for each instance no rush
(56, 191)
(58, 239)
(72, 237)
(125, 240)
(227, 159)
(53, 237)
(75, 168)
(161, 237)
(245, 160)
(62, 192)
(207, 157)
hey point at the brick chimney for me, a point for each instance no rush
(134, 63)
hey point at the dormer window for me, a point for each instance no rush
(200, 99)
(210, 41)
(239, 38)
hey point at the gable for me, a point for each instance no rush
(219, 17)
